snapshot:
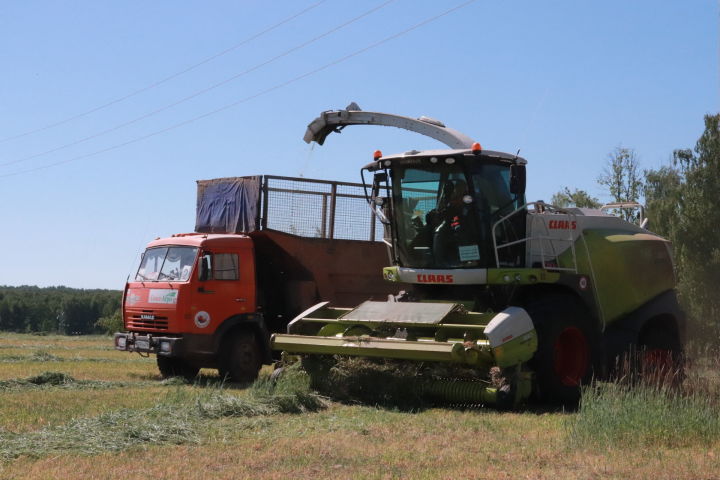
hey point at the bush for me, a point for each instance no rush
(112, 323)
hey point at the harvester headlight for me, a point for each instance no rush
(467, 199)
(450, 160)
(121, 342)
(165, 347)
(433, 159)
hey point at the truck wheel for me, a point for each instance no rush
(176, 367)
(240, 357)
(568, 351)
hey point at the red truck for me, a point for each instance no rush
(265, 249)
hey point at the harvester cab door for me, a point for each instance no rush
(226, 287)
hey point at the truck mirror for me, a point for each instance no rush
(204, 270)
(517, 179)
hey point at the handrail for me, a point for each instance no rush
(540, 207)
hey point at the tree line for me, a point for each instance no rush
(681, 203)
(69, 311)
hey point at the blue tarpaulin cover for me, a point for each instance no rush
(227, 205)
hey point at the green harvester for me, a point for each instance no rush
(498, 299)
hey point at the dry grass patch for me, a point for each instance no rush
(55, 342)
(27, 410)
(358, 442)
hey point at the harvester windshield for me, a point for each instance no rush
(444, 212)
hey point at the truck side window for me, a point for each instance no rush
(225, 266)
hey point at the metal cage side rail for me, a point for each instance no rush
(540, 208)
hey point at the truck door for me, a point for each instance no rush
(226, 288)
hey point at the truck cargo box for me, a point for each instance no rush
(299, 206)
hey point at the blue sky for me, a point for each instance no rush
(563, 81)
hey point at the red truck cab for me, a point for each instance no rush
(189, 290)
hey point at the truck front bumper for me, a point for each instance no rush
(135, 342)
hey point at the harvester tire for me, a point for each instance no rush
(660, 357)
(240, 359)
(569, 349)
(176, 367)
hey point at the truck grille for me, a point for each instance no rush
(147, 320)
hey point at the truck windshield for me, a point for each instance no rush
(444, 213)
(167, 264)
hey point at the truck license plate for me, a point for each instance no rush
(142, 345)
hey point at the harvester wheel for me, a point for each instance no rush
(568, 351)
(240, 357)
(660, 357)
(176, 367)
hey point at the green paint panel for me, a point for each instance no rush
(520, 276)
(629, 269)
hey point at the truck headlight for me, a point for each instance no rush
(165, 347)
(121, 342)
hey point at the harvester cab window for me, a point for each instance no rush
(167, 264)
(444, 213)
(436, 221)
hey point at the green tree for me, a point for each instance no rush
(622, 175)
(577, 198)
(663, 200)
(696, 238)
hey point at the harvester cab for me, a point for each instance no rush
(502, 298)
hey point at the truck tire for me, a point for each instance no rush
(569, 349)
(176, 367)
(240, 359)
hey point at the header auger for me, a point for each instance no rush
(502, 299)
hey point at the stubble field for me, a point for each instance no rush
(72, 407)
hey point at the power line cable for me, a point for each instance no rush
(251, 97)
(202, 91)
(166, 79)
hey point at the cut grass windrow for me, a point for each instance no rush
(181, 418)
(41, 356)
(55, 380)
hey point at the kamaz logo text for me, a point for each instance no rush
(430, 278)
(562, 225)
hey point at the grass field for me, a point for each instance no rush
(107, 414)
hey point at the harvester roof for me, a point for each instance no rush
(414, 156)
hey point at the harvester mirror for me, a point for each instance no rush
(517, 179)
(380, 177)
(204, 270)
